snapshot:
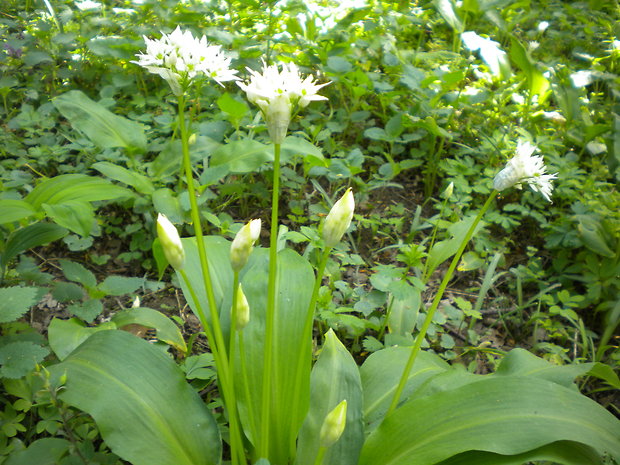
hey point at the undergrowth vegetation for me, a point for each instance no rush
(423, 301)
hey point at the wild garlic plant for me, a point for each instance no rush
(403, 406)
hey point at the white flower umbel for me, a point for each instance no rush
(526, 168)
(279, 93)
(180, 57)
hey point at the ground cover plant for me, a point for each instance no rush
(393, 230)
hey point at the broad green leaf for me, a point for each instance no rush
(241, 156)
(561, 452)
(404, 314)
(516, 414)
(120, 285)
(166, 330)
(15, 210)
(75, 215)
(65, 336)
(520, 362)
(138, 181)
(15, 301)
(77, 273)
(45, 451)
(296, 146)
(218, 256)
(100, 125)
(381, 373)
(17, 359)
(138, 396)
(335, 377)
(66, 187)
(294, 288)
(31, 236)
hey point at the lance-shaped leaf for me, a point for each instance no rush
(144, 408)
(335, 377)
(505, 415)
(101, 126)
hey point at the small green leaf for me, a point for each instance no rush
(242, 156)
(235, 109)
(45, 451)
(20, 358)
(78, 273)
(15, 301)
(87, 311)
(65, 292)
(120, 285)
(138, 181)
(167, 331)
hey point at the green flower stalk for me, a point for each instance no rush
(278, 94)
(338, 219)
(170, 242)
(243, 243)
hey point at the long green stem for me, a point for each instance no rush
(305, 356)
(415, 349)
(320, 456)
(271, 306)
(217, 341)
(246, 388)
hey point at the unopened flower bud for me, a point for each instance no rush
(449, 190)
(242, 310)
(333, 425)
(170, 242)
(136, 302)
(241, 246)
(338, 219)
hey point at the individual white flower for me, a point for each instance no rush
(242, 244)
(526, 168)
(338, 219)
(278, 93)
(179, 57)
(170, 242)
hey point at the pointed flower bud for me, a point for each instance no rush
(242, 244)
(170, 242)
(242, 310)
(338, 219)
(449, 190)
(333, 425)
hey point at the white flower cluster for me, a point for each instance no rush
(278, 92)
(179, 57)
(526, 168)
